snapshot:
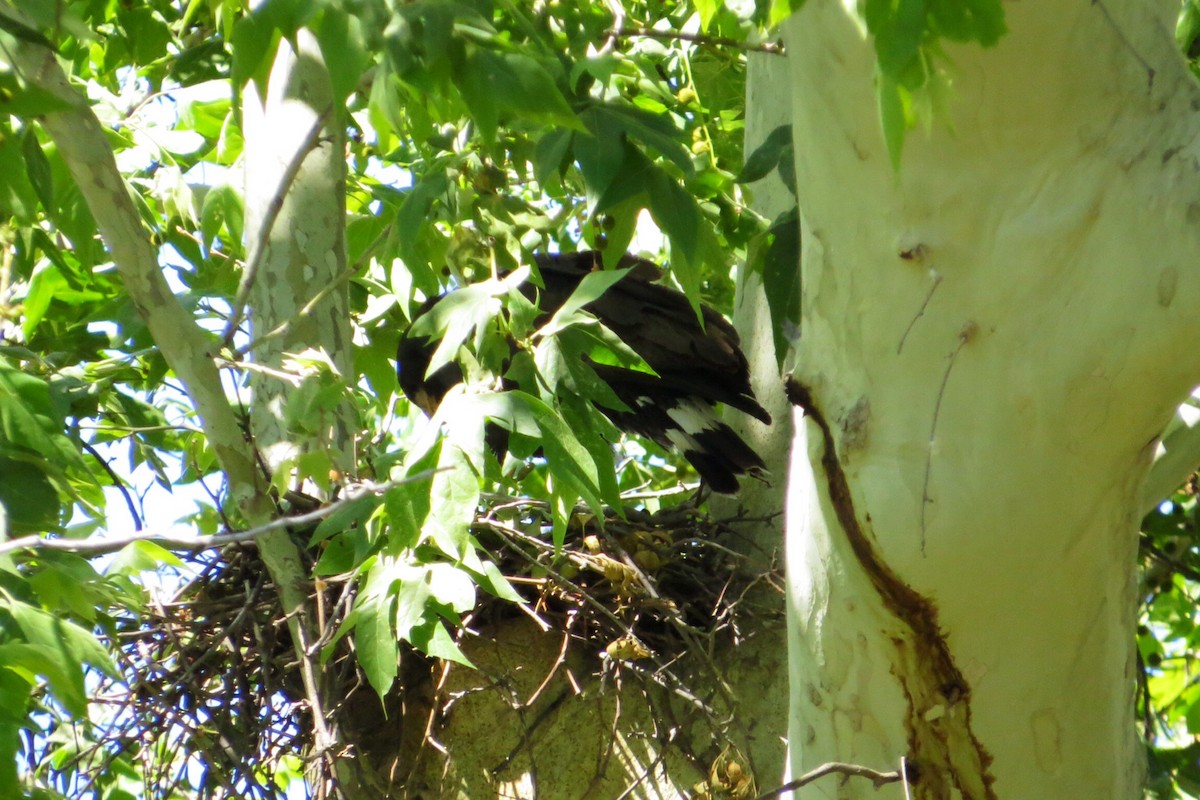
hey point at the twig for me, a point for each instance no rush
(255, 257)
(95, 547)
(558, 662)
(251, 366)
(286, 325)
(937, 280)
(117, 482)
(774, 48)
(877, 777)
(528, 731)
(132, 429)
(618, 12)
(324, 292)
(965, 335)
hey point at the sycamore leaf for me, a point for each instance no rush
(495, 85)
(772, 152)
(590, 288)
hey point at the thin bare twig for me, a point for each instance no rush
(830, 768)
(117, 482)
(774, 48)
(964, 336)
(324, 292)
(95, 547)
(255, 257)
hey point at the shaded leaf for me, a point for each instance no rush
(772, 152)
(37, 167)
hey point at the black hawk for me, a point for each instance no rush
(696, 366)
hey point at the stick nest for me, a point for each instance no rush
(211, 694)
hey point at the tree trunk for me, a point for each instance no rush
(992, 340)
(295, 284)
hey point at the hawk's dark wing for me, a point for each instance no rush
(697, 365)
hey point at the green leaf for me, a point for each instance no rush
(454, 318)
(781, 10)
(351, 514)
(566, 457)
(586, 423)
(891, 117)
(254, 42)
(414, 212)
(772, 152)
(30, 660)
(74, 645)
(591, 287)
(656, 131)
(550, 155)
(345, 552)
(678, 216)
(375, 642)
(14, 696)
(899, 27)
(980, 21)
(600, 153)
(1192, 715)
(37, 167)
(457, 490)
(31, 500)
(412, 600)
(30, 420)
(776, 257)
(408, 504)
(493, 581)
(17, 196)
(1187, 27)
(497, 84)
(147, 32)
(15, 704)
(434, 640)
(63, 673)
(708, 9)
(451, 586)
(22, 31)
(68, 584)
(26, 100)
(138, 557)
(222, 209)
(343, 45)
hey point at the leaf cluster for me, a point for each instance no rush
(477, 133)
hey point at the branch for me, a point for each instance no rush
(1178, 457)
(878, 778)
(255, 257)
(83, 145)
(774, 48)
(192, 544)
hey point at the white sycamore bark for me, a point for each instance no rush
(295, 216)
(992, 339)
